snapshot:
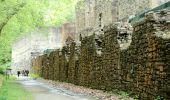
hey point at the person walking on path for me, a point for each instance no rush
(18, 73)
(27, 72)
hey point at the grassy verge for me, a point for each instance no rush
(11, 90)
(34, 76)
(1, 80)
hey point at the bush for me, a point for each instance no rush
(159, 98)
(35, 76)
(2, 70)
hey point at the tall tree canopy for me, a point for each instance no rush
(19, 17)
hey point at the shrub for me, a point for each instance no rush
(159, 98)
(2, 70)
(35, 76)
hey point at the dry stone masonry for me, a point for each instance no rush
(130, 58)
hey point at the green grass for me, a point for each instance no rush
(11, 90)
(1, 80)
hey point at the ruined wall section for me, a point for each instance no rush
(56, 64)
(63, 65)
(45, 66)
(86, 60)
(111, 58)
(93, 15)
(80, 17)
(101, 63)
(37, 66)
(132, 7)
(145, 63)
(68, 30)
(72, 63)
(105, 13)
(89, 13)
(51, 66)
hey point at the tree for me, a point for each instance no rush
(20, 17)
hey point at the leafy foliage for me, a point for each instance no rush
(19, 17)
(159, 98)
(2, 70)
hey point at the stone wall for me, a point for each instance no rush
(51, 64)
(100, 62)
(80, 17)
(68, 29)
(106, 12)
(95, 14)
(132, 7)
(37, 65)
(72, 63)
(145, 62)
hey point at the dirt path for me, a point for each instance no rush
(42, 91)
